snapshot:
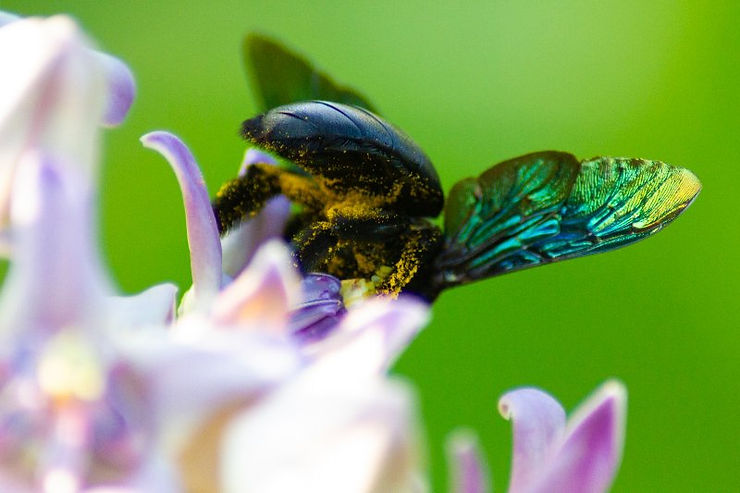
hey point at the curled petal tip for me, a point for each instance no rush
(121, 89)
(587, 456)
(538, 422)
(203, 237)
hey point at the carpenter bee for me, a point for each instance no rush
(367, 193)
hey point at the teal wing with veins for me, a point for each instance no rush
(548, 206)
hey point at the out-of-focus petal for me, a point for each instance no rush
(588, 457)
(203, 238)
(155, 474)
(321, 308)
(469, 474)
(153, 306)
(53, 95)
(120, 80)
(7, 18)
(56, 277)
(370, 337)
(262, 294)
(190, 378)
(242, 241)
(121, 89)
(538, 421)
(318, 435)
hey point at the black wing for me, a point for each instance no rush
(280, 76)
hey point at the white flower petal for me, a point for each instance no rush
(52, 100)
(370, 337)
(7, 18)
(318, 435)
(153, 306)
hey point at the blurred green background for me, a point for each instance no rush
(476, 83)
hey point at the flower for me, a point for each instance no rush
(95, 392)
(550, 455)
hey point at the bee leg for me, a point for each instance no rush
(422, 242)
(319, 242)
(313, 245)
(245, 196)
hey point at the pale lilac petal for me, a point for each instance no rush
(538, 421)
(203, 238)
(591, 450)
(321, 309)
(262, 295)
(121, 83)
(242, 241)
(153, 306)
(56, 278)
(468, 468)
(121, 89)
(193, 377)
(254, 156)
(53, 96)
(317, 434)
(370, 337)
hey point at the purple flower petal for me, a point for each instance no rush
(262, 294)
(590, 452)
(321, 310)
(121, 89)
(203, 238)
(56, 278)
(469, 471)
(539, 421)
(242, 241)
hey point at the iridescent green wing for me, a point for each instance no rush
(546, 206)
(280, 77)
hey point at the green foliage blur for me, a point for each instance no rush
(475, 83)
